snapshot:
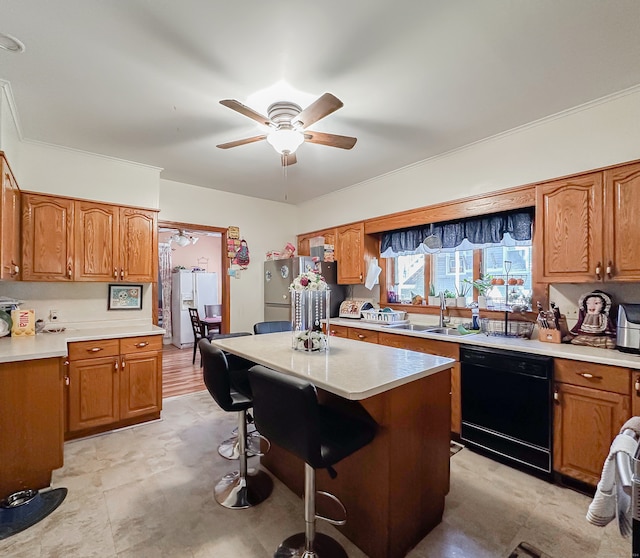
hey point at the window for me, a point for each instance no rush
(451, 272)
(409, 273)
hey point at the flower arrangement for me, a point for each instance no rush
(310, 341)
(310, 280)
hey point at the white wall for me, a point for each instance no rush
(595, 135)
(265, 225)
(9, 138)
(67, 172)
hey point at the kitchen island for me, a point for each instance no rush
(394, 488)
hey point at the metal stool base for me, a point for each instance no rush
(323, 547)
(229, 449)
(236, 493)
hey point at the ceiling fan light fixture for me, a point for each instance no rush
(182, 239)
(285, 140)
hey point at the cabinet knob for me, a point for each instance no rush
(556, 396)
(94, 349)
(123, 364)
(66, 381)
(142, 344)
(598, 271)
(361, 277)
(122, 274)
(69, 272)
(115, 366)
(332, 332)
(115, 272)
(609, 270)
(66, 363)
(637, 386)
(589, 376)
(360, 336)
(15, 268)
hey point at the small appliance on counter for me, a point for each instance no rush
(628, 331)
(353, 307)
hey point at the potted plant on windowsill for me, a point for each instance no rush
(483, 286)
(449, 298)
(433, 299)
(461, 291)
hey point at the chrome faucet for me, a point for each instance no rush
(442, 307)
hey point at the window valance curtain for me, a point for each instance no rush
(506, 229)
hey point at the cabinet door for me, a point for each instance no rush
(93, 392)
(96, 242)
(439, 348)
(622, 198)
(10, 232)
(138, 245)
(47, 238)
(350, 247)
(140, 384)
(31, 435)
(303, 245)
(568, 239)
(585, 423)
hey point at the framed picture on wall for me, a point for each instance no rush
(125, 297)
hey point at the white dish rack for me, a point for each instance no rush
(378, 316)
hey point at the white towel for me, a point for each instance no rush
(603, 507)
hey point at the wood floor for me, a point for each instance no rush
(179, 376)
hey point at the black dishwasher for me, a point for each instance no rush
(506, 405)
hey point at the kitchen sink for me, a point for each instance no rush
(410, 327)
(427, 329)
(444, 331)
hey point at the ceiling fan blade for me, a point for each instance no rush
(332, 140)
(241, 142)
(321, 107)
(244, 109)
(288, 160)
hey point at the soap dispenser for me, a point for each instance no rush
(475, 318)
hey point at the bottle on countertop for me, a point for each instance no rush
(475, 318)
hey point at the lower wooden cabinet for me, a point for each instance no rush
(591, 403)
(31, 424)
(112, 383)
(438, 348)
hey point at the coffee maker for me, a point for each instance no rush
(628, 334)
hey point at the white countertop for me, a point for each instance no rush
(350, 369)
(47, 345)
(560, 350)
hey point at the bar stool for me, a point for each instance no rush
(239, 489)
(287, 411)
(238, 373)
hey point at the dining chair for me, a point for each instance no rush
(198, 331)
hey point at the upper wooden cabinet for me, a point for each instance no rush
(585, 227)
(78, 240)
(47, 238)
(10, 228)
(354, 250)
(329, 238)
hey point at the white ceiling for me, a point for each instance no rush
(141, 79)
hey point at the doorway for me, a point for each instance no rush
(191, 246)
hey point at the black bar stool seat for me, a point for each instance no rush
(238, 489)
(287, 411)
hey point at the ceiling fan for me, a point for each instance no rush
(289, 125)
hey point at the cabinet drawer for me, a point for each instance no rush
(93, 349)
(363, 335)
(429, 346)
(339, 331)
(607, 378)
(141, 344)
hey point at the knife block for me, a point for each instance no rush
(550, 335)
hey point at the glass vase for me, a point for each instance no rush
(308, 310)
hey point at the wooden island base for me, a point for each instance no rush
(393, 489)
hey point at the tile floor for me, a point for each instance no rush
(147, 492)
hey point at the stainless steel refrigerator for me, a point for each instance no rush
(278, 275)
